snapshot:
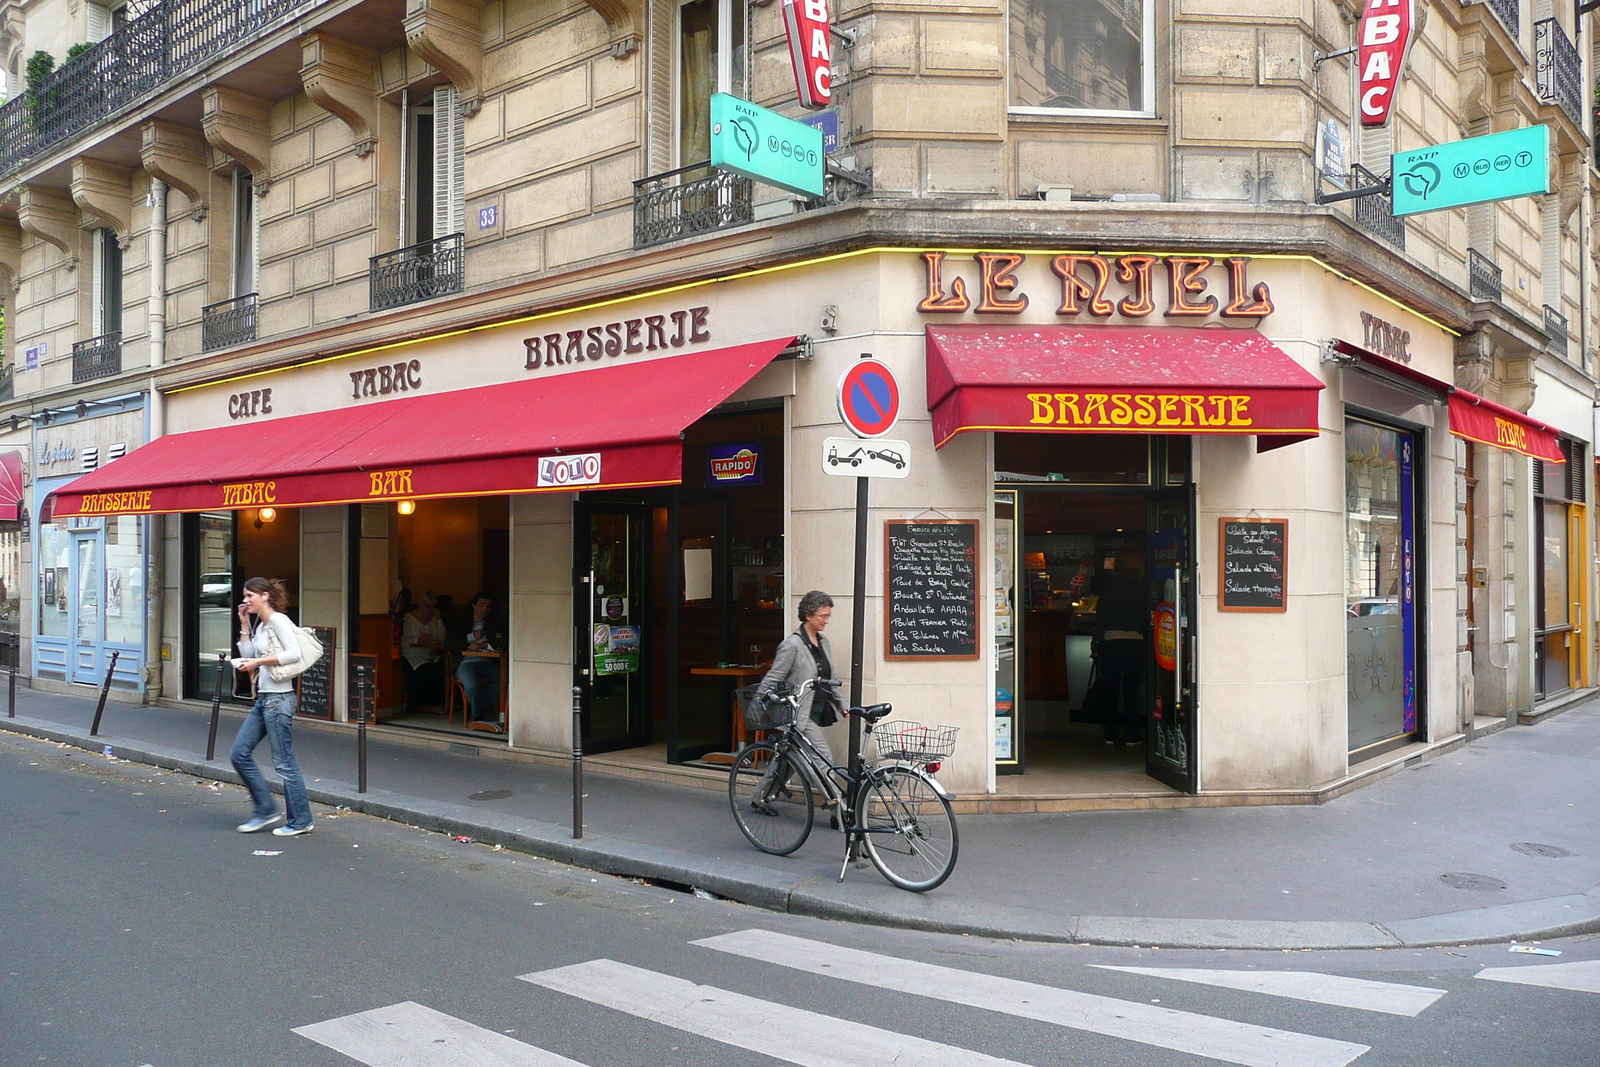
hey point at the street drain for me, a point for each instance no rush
(1477, 883)
(1549, 852)
(490, 794)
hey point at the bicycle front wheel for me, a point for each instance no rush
(910, 831)
(771, 800)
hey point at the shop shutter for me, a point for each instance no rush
(1576, 489)
(1538, 477)
(449, 163)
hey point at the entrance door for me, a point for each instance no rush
(1170, 731)
(85, 609)
(612, 558)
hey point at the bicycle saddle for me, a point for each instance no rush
(874, 712)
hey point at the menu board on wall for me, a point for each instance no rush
(931, 589)
(1254, 571)
(316, 681)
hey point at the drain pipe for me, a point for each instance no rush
(155, 426)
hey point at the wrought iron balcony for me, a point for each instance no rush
(169, 40)
(1509, 12)
(1555, 324)
(673, 205)
(418, 272)
(228, 322)
(1375, 213)
(98, 357)
(1558, 70)
(1483, 276)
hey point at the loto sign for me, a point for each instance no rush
(806, 22)
(1388, 28)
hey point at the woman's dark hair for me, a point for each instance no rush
(814, 602)
(276, 594)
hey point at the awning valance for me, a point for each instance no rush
(1472, 417)
(1117, 379)
(610, 427)
(11, 491)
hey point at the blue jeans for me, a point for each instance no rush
(480, 677)
(271, 716)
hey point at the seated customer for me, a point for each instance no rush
(480, 675)
(425, 678)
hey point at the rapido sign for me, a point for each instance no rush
(1387, 29)
(807, 24)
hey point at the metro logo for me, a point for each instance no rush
(807, 25)
(1386, 33)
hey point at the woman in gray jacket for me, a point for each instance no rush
(804, 656)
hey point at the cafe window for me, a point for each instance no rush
(1092, 56)
(221, 550)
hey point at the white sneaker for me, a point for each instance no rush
(289, 831)
(258, 823)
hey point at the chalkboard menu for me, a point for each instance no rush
(1254, 572)
(316, 681)
(931, 589)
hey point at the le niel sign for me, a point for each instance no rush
(1100, 286)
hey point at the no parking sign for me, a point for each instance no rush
(869, 398)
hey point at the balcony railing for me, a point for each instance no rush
(1375, 213)
(1558, 71)
(228, 322)
(670, 206)
(169, 40)
(98, 357)
(418, 272)
(1483, 276)
(1510, 14)
(1555, 324)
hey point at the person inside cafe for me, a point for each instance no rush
(479, 669)
(421, 650)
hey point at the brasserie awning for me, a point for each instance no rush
(610, 427)
(11, 490)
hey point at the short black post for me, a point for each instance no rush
(100, 708)
(577, 763)
(11, 685)
(364, 698)
(216, 708)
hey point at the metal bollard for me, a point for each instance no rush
(577, 763)
(11, 687)
(364, 698)
(216, 708)
(100, 708)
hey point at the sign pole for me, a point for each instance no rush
(858, 622)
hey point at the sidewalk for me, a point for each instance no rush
(1361, 871)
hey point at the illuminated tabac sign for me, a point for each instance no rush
(806, 22)
(1387, 30)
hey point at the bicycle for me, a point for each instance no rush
(894, 807)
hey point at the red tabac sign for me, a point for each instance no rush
(807, 24)
(1387, 30)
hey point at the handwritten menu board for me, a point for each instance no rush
(316, 682)
(1254, 571)
(931, 594)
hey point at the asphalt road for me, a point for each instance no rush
(138, 928)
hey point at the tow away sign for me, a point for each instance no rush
(850, 457)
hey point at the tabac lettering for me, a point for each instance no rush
(249, 494)
(386, 380)
(1510, 434)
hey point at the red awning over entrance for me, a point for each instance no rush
(1473, 417)
(1117, 379)
(10, 486)
(610, 427)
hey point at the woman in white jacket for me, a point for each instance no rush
(273, 642)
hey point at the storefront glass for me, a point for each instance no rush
(222, 549)
(1380, 582)
(1559, 490)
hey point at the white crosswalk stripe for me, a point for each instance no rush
(1203, 1035)
(1333, 990)
(777, 1030)
(1582, 977)
(413, 1035)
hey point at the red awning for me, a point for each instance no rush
(610, 427)
(1117, 379)
(1473, 417)
(11, 490)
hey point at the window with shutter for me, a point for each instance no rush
(99, 22)
(449, 163)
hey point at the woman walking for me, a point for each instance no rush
(272, 642)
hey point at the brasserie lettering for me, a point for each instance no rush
(1099, 286)
(112, 503)
(387, 379)
(1189, 410)
(648, 333)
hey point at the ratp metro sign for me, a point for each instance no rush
(1478, 170)
(1387, 29)
(750, 140)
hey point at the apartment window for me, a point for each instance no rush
(1094, 56)
(437, 168)
(107, 317)
(244, 233)
(105, 19)
(710, 59)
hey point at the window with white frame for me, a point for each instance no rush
(107, 316)
(1094, 56)
(436, 168)
(244, 233)
(710, 59)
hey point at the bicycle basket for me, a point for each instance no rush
(762, 713)
(912, 742)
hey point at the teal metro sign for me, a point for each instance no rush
(750, 140)
(1475, 171)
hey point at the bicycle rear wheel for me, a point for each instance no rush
(910, 829)
(774, 812)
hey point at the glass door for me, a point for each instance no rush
(1171, 711)
(1008, 755)
(86, 620)
(612, 560)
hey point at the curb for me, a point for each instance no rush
(1547, 918)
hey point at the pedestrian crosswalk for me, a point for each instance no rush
(409, 1034)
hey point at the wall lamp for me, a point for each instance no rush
(264, 516)
(406, 507)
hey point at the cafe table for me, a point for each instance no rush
(740, 675)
